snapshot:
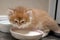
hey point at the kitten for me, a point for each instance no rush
(22, 17)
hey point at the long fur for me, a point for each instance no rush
(35, 19)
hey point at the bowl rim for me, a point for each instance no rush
(23, 34)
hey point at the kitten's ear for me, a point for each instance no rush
(29, 12)
(10, 11)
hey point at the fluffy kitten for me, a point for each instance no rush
(22, 17)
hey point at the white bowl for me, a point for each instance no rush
(4, 24)
(30, 35)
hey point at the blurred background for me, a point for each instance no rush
(5, 4)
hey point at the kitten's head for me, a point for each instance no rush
(20, 16)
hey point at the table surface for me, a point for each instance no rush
(7, 36)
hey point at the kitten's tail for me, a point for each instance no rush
(52, 25)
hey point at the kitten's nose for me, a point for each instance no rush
(19, 24)
(22, 22)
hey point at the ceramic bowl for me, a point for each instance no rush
(28, 35)
(4, 24)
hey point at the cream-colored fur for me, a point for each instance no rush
(34, 19)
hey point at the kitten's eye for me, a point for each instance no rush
(15, 21)
(22, 22)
